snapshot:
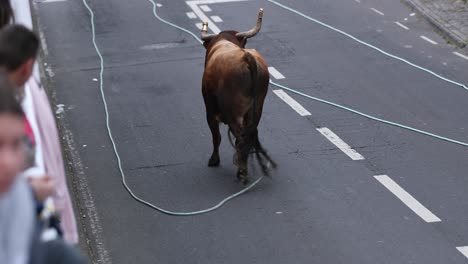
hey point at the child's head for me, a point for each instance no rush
(11, 137)
(18, 51)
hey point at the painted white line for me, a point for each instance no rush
(53, 1)
(461, 55)
(211, 25)
(407, 199)
(377, 11)
(463, 250)
(339, 143)
(216, 19)
(206, 2)
(401, 25)
(159, 5)
(292, 103)
(205, 8)
(275, 73)
(199, 25)
(412, 14)
(194, 6)
(429, 40)
(159, 46)
(191, 15)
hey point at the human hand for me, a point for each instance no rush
(43, 187)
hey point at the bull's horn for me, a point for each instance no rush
(204, 33)
(255, 30)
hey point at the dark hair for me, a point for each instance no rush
(6, 13)
(8, 102)
(17, 45)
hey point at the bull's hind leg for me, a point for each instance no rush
(242, 152)
(213, 123)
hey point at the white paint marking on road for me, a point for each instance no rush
(429, 40)
(338, 142)
(407, 199)
(191, 15)
(159, 46)
(377, 11)
(275, 73)
(405, 19)
(463, 250)
(408, 46)
(53, 1)
(159, 5)
(401, 25)
(196, 9)
(216, 19)
(412, 14)
(199, 25)
(205, 8)
(205, 2)
(358, 1)
(461, 55)
(292, 103)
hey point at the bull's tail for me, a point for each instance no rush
(252, 63)
(252, 143)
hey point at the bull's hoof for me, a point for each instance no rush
(242, 177)
(214, 161)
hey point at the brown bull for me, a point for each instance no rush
(234, 86)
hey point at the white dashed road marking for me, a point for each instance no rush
(463, 250)
(292, 103)
(401, 25)
(338, 142)
(53, 1)
(407, 199)
(191, 15)
(461, 55)
(205, 8)
(377, 11)
(216, 19)
(194, 5)
(275, 73)
(429, 40)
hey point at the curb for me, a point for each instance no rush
(89, 228)
(440, 26)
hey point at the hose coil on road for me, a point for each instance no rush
(221, 203)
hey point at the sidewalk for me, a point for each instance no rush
(449, 17)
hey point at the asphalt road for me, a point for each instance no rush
(320, 206)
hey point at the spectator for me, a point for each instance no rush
(19, 230)
(6, 13)
(18, 50)
(16, 201)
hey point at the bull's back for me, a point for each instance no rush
(227, 65)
